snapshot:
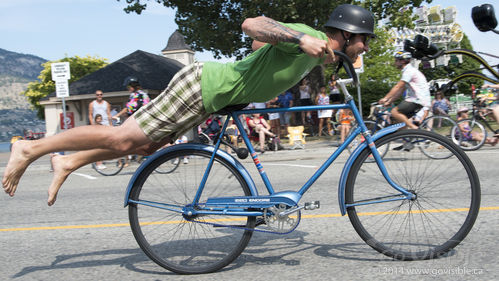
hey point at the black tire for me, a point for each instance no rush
(373, 127)
(178, 243)
(443, 213)
(466, 143)
(112, 167)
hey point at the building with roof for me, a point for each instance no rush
(153, 71)
(178, 50)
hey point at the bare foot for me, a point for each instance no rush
(18, 162)
(61, 172)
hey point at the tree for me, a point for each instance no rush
(380, 73)
(79, 66)
(215, 25)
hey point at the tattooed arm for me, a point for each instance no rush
(267, 30)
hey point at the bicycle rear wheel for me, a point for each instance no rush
(181, 243)
(438, 219)
(109, 167)
(468, 142)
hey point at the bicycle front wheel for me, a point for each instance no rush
(436, 220)
(188, 244)
(471, 132)
(109, 167)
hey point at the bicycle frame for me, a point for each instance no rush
(238, 206)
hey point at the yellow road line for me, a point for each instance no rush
(232, 219)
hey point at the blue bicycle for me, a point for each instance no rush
(408, 206)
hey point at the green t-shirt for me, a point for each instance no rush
(259, 77)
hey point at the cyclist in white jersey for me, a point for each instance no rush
(417, 91)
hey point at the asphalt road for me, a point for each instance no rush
(85, 235)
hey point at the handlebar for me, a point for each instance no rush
(348, 66)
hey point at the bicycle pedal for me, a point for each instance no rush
(312, 205)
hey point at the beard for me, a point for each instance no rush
(352, 54)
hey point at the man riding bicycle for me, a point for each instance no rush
(289, 53)
(415, 86)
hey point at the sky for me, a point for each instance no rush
(53, 29)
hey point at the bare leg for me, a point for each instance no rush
(402, 118)
(321, 120)
(259, 128)
(261, 135)
(120, 139)
(328, 122)
(65, 164)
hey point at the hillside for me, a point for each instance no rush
(20, 65)
(16, 71)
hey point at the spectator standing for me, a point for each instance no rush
(99, 106)
(275, 125)
(323, 99)
(346, 117)
(285, 100)
(334, 91)
(305, 99)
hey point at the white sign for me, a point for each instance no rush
(61, 88)
(60, 71)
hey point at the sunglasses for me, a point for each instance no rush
(367, 38)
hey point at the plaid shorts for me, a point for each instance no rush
(177, 109)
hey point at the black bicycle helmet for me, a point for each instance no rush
(131, 81)
(353, 19)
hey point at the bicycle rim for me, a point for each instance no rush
(444, 211)
(110, 167)
(176, 242)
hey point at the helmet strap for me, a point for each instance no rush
(347, 42)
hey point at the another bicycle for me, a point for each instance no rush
(109, 167)
(476, 125)
(200, 218)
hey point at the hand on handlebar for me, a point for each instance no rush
(315, 47)
(384, 101)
